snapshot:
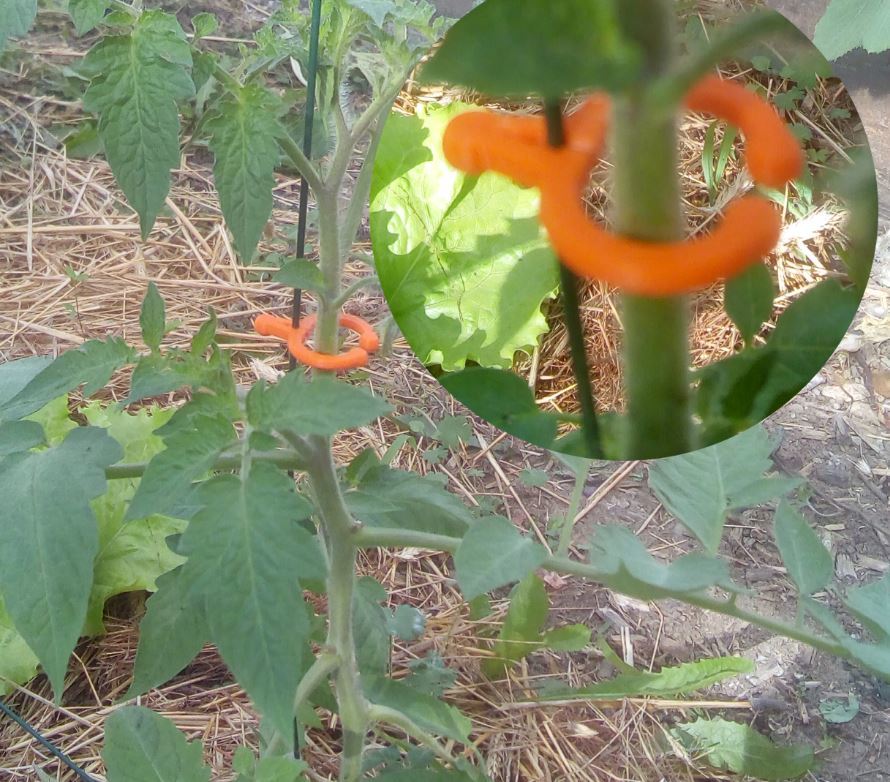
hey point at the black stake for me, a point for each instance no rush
(570, 286)
(309, 120)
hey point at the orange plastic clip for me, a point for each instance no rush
(369, 342)
(480, 141)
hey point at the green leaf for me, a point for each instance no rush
(568, 638)
(492, 554)
(152, 318)
(271, 769)
(135, 81)
(504, 400)
(16, 18)
(521, 632)
(172, 632)
(90, 365)
(247, 552)
(300, 273)
(55, 420)
(407, 623)
(810, 565)
(370, 625)
(405, 500)
(738, 748)
(837, 712)
(141, 746)
(204, 24)
(321, 406)
(205, 335)
(515, 48)
(453, 430)
(702, 487)
(669, 682)
(243, 136)
(430, 674)
(50, 540)
(86, 14)
(15, 375)
(428, 712)
(189, 454)
(869, 604)
(748, 299)
(628, 567)
(18, 436)
(805, 336)
(463, 261)
(18, 664)
(849, 24)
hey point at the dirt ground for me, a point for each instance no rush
(837, 433)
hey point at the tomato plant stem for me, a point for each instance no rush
(338, 527)
(565, 532)
(648, 207)
(572, 313)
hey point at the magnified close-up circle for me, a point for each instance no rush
(623, 254)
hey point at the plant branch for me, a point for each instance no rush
(362, 189)
(350, 291)
(387, 716)
(565, 533)
(668, 91)
(300, 162)
(289, 460)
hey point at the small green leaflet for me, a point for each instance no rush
(321, 406)
(521, 632)
(141, 746)
(748, 299)
(810, 565)
(16, 18)
(385, 497)
(628, 567)
(204, 24)
(370, 627)
(171, 633)
(90, 365)
(152, 318)
(702, 487)
(462, 260)
(189, 454)
(247, 553)
(849, 24)
(300, 273)
(503, 399)
(15, 375)
(243, 136)
(738, 748)
(492, 554)
(870, 604)
(516, 48)
(837, 712)
(428, 712)
(669, 682)
(86, 14)
(268, 769)
(135, 82)
(50, 541)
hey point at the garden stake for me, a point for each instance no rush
(569, 284)
(311, 77)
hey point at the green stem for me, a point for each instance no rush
(338, 528)
(648, 207)
(379, 537)
(288, 460)
(351, 290)
(326, 334)
(362, 189)
(565, 533)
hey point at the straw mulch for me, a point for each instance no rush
(73, 267)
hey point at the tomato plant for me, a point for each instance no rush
(242, 481)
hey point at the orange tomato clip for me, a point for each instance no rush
(516, 146)
(368, 341)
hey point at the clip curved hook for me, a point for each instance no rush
(517, 147)
(369, 342)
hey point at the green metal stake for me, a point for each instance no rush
(569, 284)
(311, 78)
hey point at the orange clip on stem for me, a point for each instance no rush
(517, 147)
(269, 325)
